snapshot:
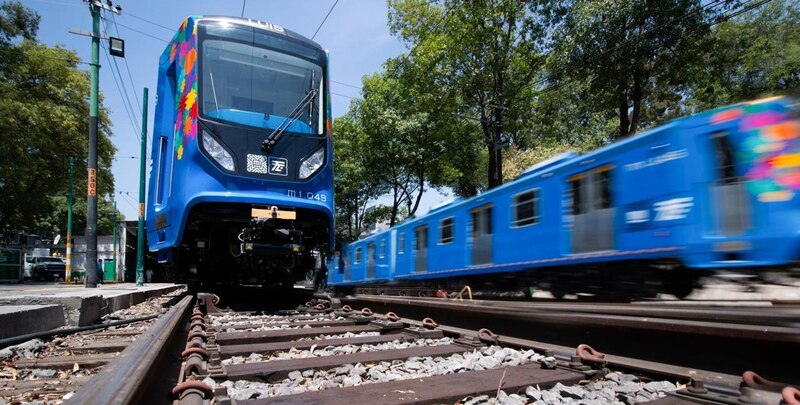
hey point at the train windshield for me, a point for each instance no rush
(258, 79)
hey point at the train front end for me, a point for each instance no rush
(241, 183)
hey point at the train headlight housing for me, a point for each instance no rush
(218, 152)
(312, 163)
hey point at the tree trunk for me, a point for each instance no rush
(636, 98)
(395, 206)
(622, 104)
(411, 212)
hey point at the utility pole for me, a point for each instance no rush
(115, 238)
(91, 193)
(68, 276)
(140, 231)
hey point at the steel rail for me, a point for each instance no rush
(650, 321)
(125, 379)
(768, 314)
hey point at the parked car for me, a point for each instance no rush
(48, 268)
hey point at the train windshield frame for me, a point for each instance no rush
(256, 78)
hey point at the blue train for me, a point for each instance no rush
(717, 190)
(241, 178)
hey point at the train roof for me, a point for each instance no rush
(262, 25)
(562, 161)
(248, 22)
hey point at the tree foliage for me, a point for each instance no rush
(756, 54)
(353, 186)
(536, 78)
(45, 114)
(483, 54)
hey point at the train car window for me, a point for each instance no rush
(603, 180)
(482, 221)
(162, 169)
(357, 258)
(421, 238)
(525, 208)
(401, 243)
(446, 230)
(382, 251)
(725, 159)
(576, 189)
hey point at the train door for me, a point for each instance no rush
(347, 267)
(421, 249)
(730, 205)
(592, 211)
(482, 235)
(371, 260)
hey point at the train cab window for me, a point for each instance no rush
(525, 208)
(576, 185)
(724, 158)
(603, 184)
(421, 240)
(446, 230)
(401, 243)
(357, 258)
(382, 251)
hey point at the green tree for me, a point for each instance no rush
(756, 54)
(354, 187)
(483, 54)
(633, 57)
(45, 115)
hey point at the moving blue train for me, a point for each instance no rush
(241, 182)
(650, 213)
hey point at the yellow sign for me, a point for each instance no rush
(92, 183)
(273, 212)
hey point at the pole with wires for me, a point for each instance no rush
(91, 193)
(140, 230)
(92, 276)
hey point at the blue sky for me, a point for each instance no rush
(355, 33)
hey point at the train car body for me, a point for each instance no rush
(241, 184)
(717, 190)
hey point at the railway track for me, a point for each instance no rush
(51, 367)
(325, 352)
(724, 338)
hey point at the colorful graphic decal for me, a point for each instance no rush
(183, 49)
(771, 149)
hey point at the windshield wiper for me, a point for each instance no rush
(275, 136)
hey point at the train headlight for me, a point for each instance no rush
(312, 163)
(217, 152)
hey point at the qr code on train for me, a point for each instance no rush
(261, 164)
(257, 164)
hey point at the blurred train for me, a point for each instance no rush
(648, 214)
(241, 182)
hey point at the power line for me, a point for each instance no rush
(342, 95)
(128, 199)
(348, 85)
(122, 89)
(125, 61)
(150, 22)
(143, 33)
(323, 20)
